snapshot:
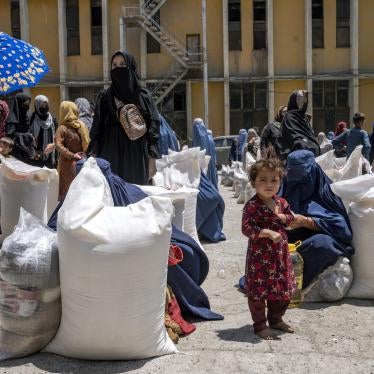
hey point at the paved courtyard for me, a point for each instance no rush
(329, 338)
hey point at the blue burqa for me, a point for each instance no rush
(167, 138)
(307, 190)
(201, 139)
(210, 205)
(186, 277)
(210, 209)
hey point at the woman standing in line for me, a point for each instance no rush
(132, 160)
(71, 141)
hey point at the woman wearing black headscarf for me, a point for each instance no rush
(272, 131)
(132, 160)
(296, 132)
(18, 128)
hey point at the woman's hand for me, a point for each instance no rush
(298, 222)
(49, 148)
(151, 168)
(78, 156)
(276, 237)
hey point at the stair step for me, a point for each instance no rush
(159, 33)
(148, 23)
(153, 28)
(180, 53)
(152, 5)
(185, 58)
(169, 43)
(164, 37)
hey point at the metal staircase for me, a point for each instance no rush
(145, 16)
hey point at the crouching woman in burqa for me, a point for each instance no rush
(132, 160)
(321, 223)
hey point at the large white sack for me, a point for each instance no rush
(179, 169)
(32, 188)
(360, 192)
(184, 201)
(113, 268)
(30, 305)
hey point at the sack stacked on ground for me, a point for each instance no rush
(338, 169)
(184, 201)
(359, 192)
(30, 306)
(21, 185)
(331, 285)
(113, 268)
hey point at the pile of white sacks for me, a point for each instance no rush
(237, 178)
(112, 267)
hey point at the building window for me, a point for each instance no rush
(248, 106)
(317, 23)
(259, 24)
(193, 47)
(235, 28)
(342, 23)
(72, 27)
(330, 104)
(15, 19)
(153, 46)
(88, 92)
(96, 28)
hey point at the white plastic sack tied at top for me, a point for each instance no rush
(332, 285)
(184, 201)
(180, 172)
(338, 169)
(30, 305)
(21, 185)
(113, 268)
(359, 192)
(180, 169)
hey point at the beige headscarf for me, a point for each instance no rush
(69, 117)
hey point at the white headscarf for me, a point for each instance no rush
(46, 125)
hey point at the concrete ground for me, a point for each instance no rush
(329, 338)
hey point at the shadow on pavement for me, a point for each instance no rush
(58, 364)
(242, 334)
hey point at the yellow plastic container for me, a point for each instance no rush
(298, 268)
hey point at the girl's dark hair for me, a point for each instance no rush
(269, 161)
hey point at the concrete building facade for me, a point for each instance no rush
(230, 62)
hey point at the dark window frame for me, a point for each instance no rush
(326, 116)
(96, 28)
(343, 39)
(259, 25)
(72, 28)
(318, 24)
(249, 115)
(234, 25)
(15, 19)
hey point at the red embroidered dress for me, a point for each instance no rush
(268, 272)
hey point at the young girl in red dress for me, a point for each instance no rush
(269, 278)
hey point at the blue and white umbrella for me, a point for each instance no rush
(21, 64)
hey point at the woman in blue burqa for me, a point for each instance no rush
(201, 139)
(185, 278)
(167, 139)
(237, 146)
(321, 223)
(210, 205)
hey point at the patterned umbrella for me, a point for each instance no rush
(21, 64)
